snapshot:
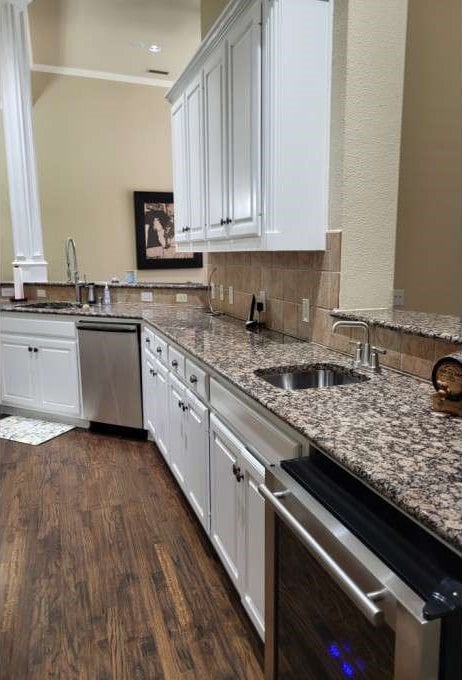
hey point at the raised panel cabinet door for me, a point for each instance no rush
(253, 538)
(149, 386)
(18, 371)
(215, 145)
(244, 123)
(160, 400)
(176, 404)
(180, 183)
(197, 446)
(225, 502)
(195, 160)
(58, 380)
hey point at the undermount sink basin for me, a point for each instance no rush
(309, 375)
(50, 305)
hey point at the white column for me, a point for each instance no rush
(19, 141)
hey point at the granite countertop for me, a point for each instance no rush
(383, 430)
(442, 326)
(185, 285)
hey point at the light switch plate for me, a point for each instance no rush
(8, 292)
(398, 297)
(41, 293)
(305, 310)
(231, 295)
(181, 297)
(222, 292)
(146, 296)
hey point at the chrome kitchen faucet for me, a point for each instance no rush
(365, 356)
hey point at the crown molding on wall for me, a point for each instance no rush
(101, 75)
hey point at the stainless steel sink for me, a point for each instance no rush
(309, 375)
(50, 305)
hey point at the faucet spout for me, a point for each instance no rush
(72, 267)
(365, 356)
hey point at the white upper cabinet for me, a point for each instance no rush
(215, 144)
(244, 123)
(194, 161)
(266, 70)
(180, 184)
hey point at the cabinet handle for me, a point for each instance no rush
(35, 349)
(184, 407)
(180, 404)
(228, 220)
(193, 379)
(222, 221)
(152, 372)
(147, 340)
(29, 349)
(159, 350)
(237, 472)
(186, 229)
(175, 363)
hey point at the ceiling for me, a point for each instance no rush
(114, 35)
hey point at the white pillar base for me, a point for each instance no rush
(33, 271)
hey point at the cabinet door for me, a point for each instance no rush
(197, 451)
(58, 383)
(160, 401)
(225, 490)
(18, 375)
(244, 123)
(194, 160)
(253, 537)
(216, 180)
(149, 385)
(180, 185)
(176, 403)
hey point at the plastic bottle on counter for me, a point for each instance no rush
(107, 295)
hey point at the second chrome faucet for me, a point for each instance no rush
(365, 356)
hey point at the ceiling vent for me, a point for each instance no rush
(157, 72)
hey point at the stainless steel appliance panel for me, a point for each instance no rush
(110, 370)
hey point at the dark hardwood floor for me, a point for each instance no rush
(105, 573)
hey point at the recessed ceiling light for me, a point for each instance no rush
(155, 49)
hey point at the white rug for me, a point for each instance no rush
(30, 430)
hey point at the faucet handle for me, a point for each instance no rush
(374, 358)
(358, 355)
(378, 350)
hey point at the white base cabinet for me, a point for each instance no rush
(237, 525)
(41, 374)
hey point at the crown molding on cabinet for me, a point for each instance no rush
(229, 15)
(101, 75)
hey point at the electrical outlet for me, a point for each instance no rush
(398, 297)
(305, 310)
(7, 292)
(146, 296)
(231, 295)
(41, 293)
(262, 299)
(181, 297)
(222, 292)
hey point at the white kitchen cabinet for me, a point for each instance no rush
(195, 160)
(180, 183)
(215, 145)
(238, 517)
(225, 498)
(243, 44)
(40, 374)
(148, 394)
(266, 70)
(176, 406)
(160, 407)
(197, 452)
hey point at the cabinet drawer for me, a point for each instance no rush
(160, 349)
(33, 326)
(197, 379)
(149, 341)
(176, 361)
(256, 431)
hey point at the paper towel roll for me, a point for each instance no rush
(18, 285)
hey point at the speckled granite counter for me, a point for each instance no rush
(383, 430)
(442, 326)
(185, 285)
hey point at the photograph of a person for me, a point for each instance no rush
(155, 233)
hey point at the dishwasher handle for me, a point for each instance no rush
(364, 601)
(107, 327)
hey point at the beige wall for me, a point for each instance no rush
(429, 237)
(98, 141)
(210, 10)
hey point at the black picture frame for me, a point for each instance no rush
(155, 233)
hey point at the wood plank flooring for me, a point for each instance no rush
(105, 574)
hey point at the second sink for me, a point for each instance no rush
(309, 376)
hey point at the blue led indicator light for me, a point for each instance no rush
(347, 669)
(334, 651)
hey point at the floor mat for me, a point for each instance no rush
(31, 430)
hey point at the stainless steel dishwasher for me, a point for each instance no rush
(111, 376)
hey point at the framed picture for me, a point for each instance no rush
(155, 233)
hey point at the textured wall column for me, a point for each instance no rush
(19, 141)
